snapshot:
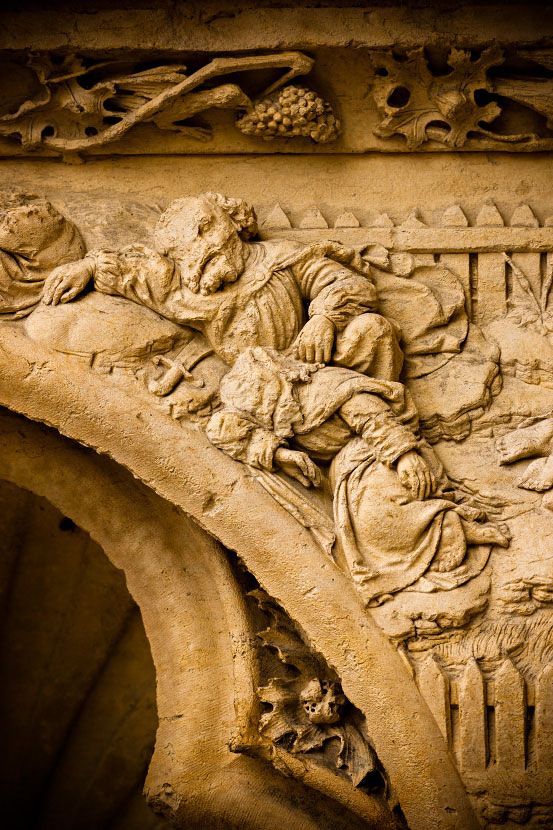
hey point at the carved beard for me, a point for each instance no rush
(216, 272)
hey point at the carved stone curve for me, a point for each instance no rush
(204, 605)
(178, 463)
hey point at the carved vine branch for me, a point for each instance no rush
(76, 107)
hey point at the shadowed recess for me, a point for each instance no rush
(77, 704)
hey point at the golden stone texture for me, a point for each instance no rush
(276, 446)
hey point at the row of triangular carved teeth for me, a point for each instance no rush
(452, 217)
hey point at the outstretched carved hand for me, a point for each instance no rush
(315, 341)
(66, 281)
(415, 474)
(298, 465)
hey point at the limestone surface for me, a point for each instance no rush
(276, 338)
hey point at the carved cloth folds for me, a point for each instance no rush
(22, 275)
(389, 540)
(264, 307)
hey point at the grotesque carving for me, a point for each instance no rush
(305, 709)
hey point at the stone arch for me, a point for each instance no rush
(178, 463)
(194, 617)
(77, 702)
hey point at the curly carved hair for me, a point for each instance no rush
(242, 214)
(167, 231)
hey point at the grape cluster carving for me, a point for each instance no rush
(291, 111)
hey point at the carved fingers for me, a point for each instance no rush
(415, 474)
(315, 341)
(298, 465)
(66, 281)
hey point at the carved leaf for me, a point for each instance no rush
(414, 103)
(282, 636)
(78, 106)
(524, 307)
(356, 754)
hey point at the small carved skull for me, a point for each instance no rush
(322, 701)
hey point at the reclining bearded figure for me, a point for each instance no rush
(313, 378)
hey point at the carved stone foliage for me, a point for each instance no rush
(424, 98)
(303, 708)
(462, 100)
(74, 104)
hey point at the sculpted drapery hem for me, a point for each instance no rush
(389, 539)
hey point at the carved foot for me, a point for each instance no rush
(447, 561)
(486, 534)
(538, 475)
(524, 443)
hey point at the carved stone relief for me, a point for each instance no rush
(389, 387)
(72, 105)
(464, 102)
(425, 98)
(276, 330)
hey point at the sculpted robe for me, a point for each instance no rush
(266, 306)
(22, 275)
(389, 539)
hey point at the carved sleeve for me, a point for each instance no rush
(135, 272)
(371, 417)
(142, 275)
(335, 291)
(243, 439)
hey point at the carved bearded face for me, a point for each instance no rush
(204, 241)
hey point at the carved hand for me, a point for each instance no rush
(415, 474)
(298, 465)
(315, 341)
(66, 281)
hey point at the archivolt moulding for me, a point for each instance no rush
(199, 633)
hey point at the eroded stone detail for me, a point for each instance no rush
(76, 105)
(459, 103)
(304, 710)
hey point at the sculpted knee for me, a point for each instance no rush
(374, 326)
